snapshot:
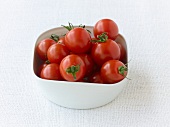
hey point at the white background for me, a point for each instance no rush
(145, 101)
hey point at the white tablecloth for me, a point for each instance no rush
(145, 101)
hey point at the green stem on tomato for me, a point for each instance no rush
(73, 70)
(55, 37)
(122, 70)
(82, 26)
(88, 31)
(69, 27)
(101, 38)
(47, 62)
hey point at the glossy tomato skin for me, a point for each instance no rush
(42, 48)
(104, 51)
(41, 67)
(108, 26)
(57, 52)
(69, 61)
(96, 78)
(123, 54)
(88, 62)
(61, 40)
(51, 72)
(110, 71)
(123, 47)
(78, 40)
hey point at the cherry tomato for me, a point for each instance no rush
(62, 40)
(96, 78)
(43, 46)
(51, 72)
(78, 40)
(122, 45)
(108, 26)
(57, 52)
(113, 71)
(88, 62)
(104, 51)
(72, 68)
(123, 54)
(41, 67)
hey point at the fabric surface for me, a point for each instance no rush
(144, 102)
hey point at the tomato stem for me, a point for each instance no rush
(88, 31)
(54, 37)
(82, 26)
(101, 38)
(128, 62)
(73, 70)
(122, 70)
(128, 78)
(47, 62)
(69, 27)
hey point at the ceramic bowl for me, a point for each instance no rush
(76, 95)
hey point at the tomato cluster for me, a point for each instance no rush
(80, 56)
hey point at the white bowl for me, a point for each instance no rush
(76, 95)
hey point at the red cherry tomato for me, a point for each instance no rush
(108, 26)
(96, 78)
(43, 46)
(88, 62)
(62, 40)
(123, 54)
(72, 68)
(78, 40)
(122, 45)
(104, 51)
(51, 72)
(41, 67)
(57, 52)
(113, 71)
